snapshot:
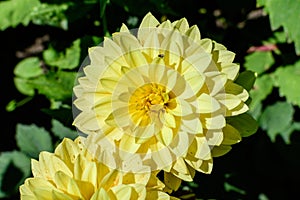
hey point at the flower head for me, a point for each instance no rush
(158, 97)
(72, 173)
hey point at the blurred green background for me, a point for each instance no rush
(44, 42)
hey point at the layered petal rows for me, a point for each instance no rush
(157, 98)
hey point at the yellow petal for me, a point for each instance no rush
(195, 80)
(67, 150)
(173, 53)
(56, 195)
(215, 82)
(207, 104)
(151, 43)
(128, 144)
(182, 170)
(157, 195)
(136, 59)
(214, 137)
(199, 61)
(144, 133)
(87, 119)
(181, 143)
(199, 148)
(74, 189)
(132, 78)
(229, 100)
(233, 88)
(218, 46)
(26, 193)
(154, 182)
(61, 180)
(182, 25)
(86, 188)
(193, 126)
(206, 44)
(180, 166)
(89, 173)
(111, 48)
(35, 168)
(230, 69)
(109, 83)
(172, 181)
(124, 28)
(40, 187)
(157, 72)
(165, 136)
(182, 108)
(123, 192)
(149, 21)
(111, 179)
(241, 108)
(120, 117)
(140, 190)
(50, 164)
(214, 122)
(169, 120)
(95, 59)
(43, 193)
(194, 33)
(163, 158)
(103, 103)
(165, 26)
(100, 194)
(224, 56)
(126, 41)
(204, 166)
(146, 26)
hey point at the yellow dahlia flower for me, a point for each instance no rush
(72, 173)
(159, 97)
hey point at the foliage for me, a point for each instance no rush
(53, 37)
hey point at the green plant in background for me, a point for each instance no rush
(270, 35)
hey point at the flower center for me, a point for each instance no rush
(149, 102)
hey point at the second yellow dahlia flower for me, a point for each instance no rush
(72, 173)
(159, 97)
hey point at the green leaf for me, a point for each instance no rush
(28, 68)
(68, 60)
(259, 61)
(15, 12)
(50, 14)
(61, 131)
(286, 134)
(284, 13)
(288, 80)
(32, 140)
(244, 123)
(58, 86)
(260, 2)
(256, 110)
(263, 86)
(276, 119)
(23, 86)
(246, 79)
(14, 168)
